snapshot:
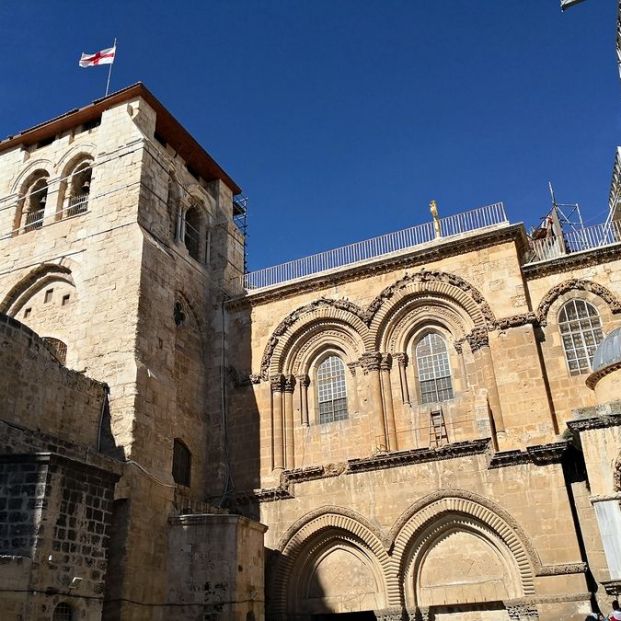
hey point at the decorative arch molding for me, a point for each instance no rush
(418, 310)
(319, 526)
(43, 273)
(327, 310)
(411, 532)
(315, 339)
(44, 165)
(73, 156)
(580, 285)
(424, 283)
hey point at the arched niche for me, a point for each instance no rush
(461, 525)
(316, 548)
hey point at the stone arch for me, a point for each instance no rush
(346, 316)
(33, 192)
(45, 272)
(33, 167)
(461, 295)
(580, 285)
(318, 529)
(423, 310)
(431, 518)
(73, 157)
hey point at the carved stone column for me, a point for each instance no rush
(304, 382)
(478, 340)
(389, 410)
(371, 365)
(402, 362)
(289, 387)
(277, 385)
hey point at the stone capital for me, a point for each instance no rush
(303, 380)
(370, 361)
(277, 383)
(289, 383)
(386, 362)
(402, 359)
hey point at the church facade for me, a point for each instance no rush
(409, 428)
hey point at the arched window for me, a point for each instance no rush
(79, 189)
(433, 369)
(182, 463)
(192, 232)
(331, 390)
(581, 331)
(34, 204)
(63, 612)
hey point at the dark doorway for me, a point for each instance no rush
(346, 616)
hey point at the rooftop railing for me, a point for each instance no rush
(577, 240)
(451, 226)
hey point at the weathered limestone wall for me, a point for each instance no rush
(55, 533)
(39, 393)
(598, 282)
(216, 567)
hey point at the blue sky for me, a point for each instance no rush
(342, 119)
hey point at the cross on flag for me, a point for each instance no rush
(103, 57)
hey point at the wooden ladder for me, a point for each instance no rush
(437, 428)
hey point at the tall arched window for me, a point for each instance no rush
(182, 463)
(192, 232)
(79, 189)
(63, 612)
(331, 390)
(433, 369)
(581, 331)
(34, 204)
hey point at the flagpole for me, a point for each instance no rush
(110, 70)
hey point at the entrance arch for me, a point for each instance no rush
(330, 562)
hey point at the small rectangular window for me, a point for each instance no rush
(48, 295)
(27, 312)
(65, 299)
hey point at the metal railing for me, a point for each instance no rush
(77, 205)
(475, 219)
(578, 240)
(33, 220)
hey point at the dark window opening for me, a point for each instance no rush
(63, 612)
(35, 205)
(45, 142)
(79, 189)
(160, 139)
(182, 463)
(192, 171)
(192, 235)
(179, 314)
(91, 124)
(66, 299)
(48, 296)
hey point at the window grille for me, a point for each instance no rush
(581, 332)
(182, 463)
(35, 205)
(434, 371)
(331, 390)
(63, 612)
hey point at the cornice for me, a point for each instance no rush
(597, 422)
(381, 265)
(592, 380)
(569, 262)
(422, 455)
(540, 455)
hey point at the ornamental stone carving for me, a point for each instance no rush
(289, 383)
(576, 284)
(370, 361)
(277, 383)
(478, 338)
(402, 360)
(386, 363)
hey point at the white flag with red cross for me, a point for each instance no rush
(103, 57)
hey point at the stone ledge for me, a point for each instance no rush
(540, 455)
